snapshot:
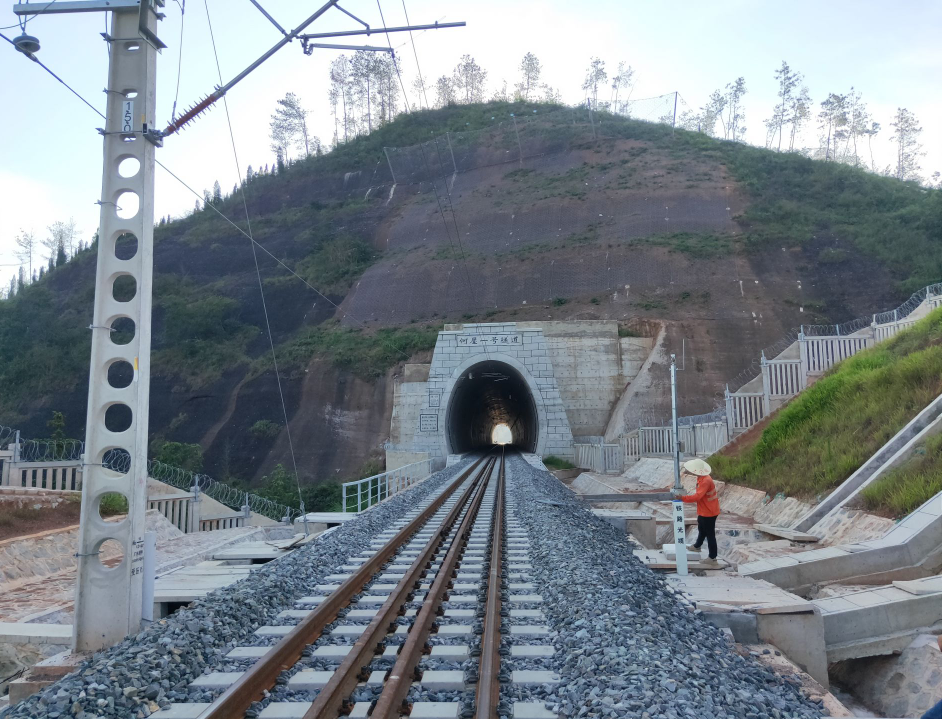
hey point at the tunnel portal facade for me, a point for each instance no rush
(483, 375)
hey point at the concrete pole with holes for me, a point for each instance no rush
(108, 598)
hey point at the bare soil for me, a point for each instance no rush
(23, 521)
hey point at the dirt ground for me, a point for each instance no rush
(21, 521)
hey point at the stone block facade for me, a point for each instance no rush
(524, 349)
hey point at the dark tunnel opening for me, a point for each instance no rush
(486, 395)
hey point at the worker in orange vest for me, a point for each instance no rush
(708, 506)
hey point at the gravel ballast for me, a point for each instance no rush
(625, 645)
(154, 668)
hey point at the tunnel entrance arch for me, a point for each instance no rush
(487, 390)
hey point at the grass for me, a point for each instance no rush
(910, 485)
(826, 433)
(554, 462)
(701, 246)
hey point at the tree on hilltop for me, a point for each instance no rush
(595, 75)
(469, 79)
(530, 71)
(906, 132)
(622, 80)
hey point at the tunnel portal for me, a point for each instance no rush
(487, 394)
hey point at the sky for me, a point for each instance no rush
(50, 152)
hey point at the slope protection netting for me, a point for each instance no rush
(485, 204)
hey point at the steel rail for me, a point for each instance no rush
(389, 705)
(487, 696)
(262, 675)
(330, 700)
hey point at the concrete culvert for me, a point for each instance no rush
(489, 394)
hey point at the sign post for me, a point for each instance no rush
(680, 530)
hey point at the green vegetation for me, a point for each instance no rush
(553, 462)
(44, 344)
(202, 334)
(910, 485)
(701, 246)
(826, 433)
(280, 486)
(335, 264)
(179, 454)
(265, 429)
(559, 301)
(112, 503)
(368, 355)
(626, 331)
(647, 304)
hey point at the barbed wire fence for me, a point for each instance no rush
(119, 460)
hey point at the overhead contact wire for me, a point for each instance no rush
(258, 271)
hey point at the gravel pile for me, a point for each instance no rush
(625, 645)
(154, 668)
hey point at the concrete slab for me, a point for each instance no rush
(439, 680)
(216, 680)
(791, 535)
(534, 678)
(532, 710)
(248, 653)
(28, 633)
(450, 652)
(453, 630)
(435, 710)
(531, 650)
(182, 711)
(308, 679)
(332, 651)
(285, 710)
(272, 631)
(528, 630)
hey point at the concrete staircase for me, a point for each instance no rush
(879, 621)
(910, 550)
(897, 450)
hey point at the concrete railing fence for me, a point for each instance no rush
(601, 458)
(182, 509)
(363, 493)
(697, 439)
(787, 373)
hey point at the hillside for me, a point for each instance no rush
(550, 213)
(828, 431)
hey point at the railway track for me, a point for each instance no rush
(414, 619)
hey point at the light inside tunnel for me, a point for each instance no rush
(501, 434)
(489, 394)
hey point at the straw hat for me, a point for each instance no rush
(697, 467)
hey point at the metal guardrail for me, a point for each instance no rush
(364, 493)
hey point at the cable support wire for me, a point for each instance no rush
(405, 100)
(258, 271)
(21, 22)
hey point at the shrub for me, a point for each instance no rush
(265, 429)
(554, 462)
